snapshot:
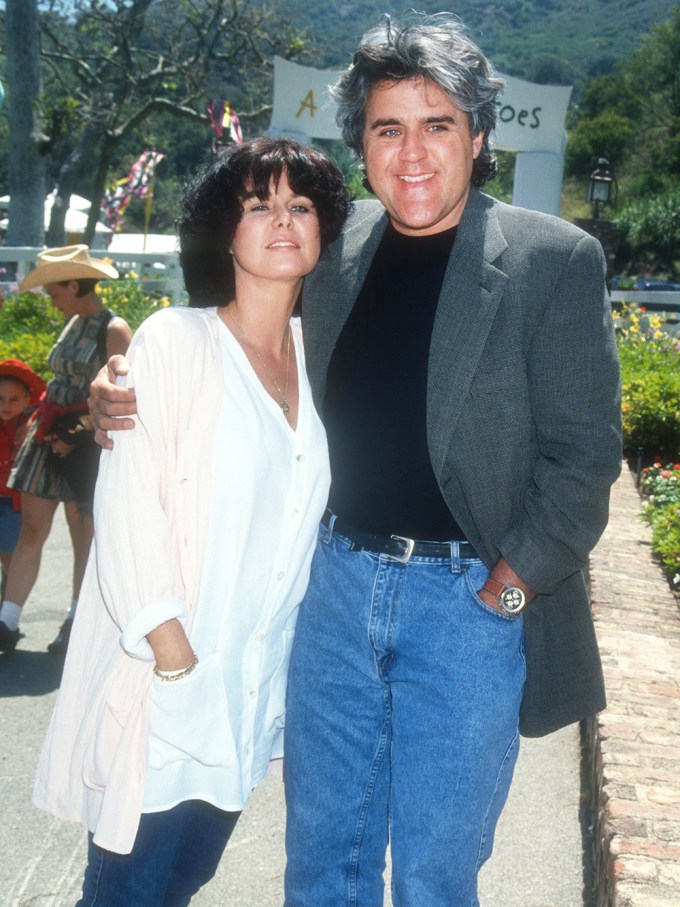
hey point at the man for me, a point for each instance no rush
(461, 353)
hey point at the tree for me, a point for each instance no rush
(606, 135)
(127, 60)
(112, 65)
(26, 141)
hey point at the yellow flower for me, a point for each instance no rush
(133, 275)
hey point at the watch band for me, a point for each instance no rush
(494, 587)
(510, 598)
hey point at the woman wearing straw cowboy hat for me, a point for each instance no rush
(92, 333)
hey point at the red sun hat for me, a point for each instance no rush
(13, 368)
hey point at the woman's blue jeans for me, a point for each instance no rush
(175, 853)
(402, 724)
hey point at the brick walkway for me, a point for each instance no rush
(635, 743)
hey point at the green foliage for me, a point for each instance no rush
(650, 233)
(650, 376)
(28, 328)
(28, 313)
(607, 135)
(132, 299)
(611, 93)
(665, 523)
(552, 41)
(661, 489)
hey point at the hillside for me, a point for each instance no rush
(548, 41)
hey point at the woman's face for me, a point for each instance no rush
(278, 238)
(63, 298)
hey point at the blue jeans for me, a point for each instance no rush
(402, 723)
(174, 854)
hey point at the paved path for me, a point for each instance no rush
(538, 857)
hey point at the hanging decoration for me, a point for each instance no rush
(225, 123)
(138, 183)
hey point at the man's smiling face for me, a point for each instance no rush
(419, 154)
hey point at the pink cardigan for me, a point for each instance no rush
(93, 765)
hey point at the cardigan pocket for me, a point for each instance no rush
(110, 723)
(189, 719)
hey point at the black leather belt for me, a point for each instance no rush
(397, 547)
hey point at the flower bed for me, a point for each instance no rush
(660, 487)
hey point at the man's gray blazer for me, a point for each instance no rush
(523, 416)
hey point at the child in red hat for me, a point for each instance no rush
(20, 389)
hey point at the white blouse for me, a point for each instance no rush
(213, 733)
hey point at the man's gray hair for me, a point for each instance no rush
(436, 48)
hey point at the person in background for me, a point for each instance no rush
(92, 333)
(20, 389)
(172, 702)
(461, 353)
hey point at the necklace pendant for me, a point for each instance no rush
(284, 407)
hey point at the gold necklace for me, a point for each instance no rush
(283, 403)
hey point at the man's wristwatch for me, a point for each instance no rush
(510, 598)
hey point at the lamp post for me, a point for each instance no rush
(600, 186)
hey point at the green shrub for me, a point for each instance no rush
(650, 232)
(665, 523)
(29, 325)
(650, 376)
(661, 489)
(132, 301)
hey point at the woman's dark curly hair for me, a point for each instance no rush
(212, 207)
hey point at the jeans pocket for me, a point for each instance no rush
(473, 583)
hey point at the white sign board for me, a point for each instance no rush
(302, 105)
(530, 117)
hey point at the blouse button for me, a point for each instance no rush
(300, 458)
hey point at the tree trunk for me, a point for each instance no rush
(99, 184)
(82, 156)
(26, 175)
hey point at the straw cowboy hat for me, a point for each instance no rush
(13, 368)
(67, 263)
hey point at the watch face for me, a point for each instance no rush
(512, 600)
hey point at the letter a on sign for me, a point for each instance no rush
(308, 103)
(302, 105)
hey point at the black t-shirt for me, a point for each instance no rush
(375, 403)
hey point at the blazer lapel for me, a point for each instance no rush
(472, 289)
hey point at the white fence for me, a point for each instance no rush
(653, 300)
(156, 270)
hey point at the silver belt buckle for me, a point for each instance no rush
(406, 556)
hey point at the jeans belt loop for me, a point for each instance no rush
(455, 557)
(328, 534)
(408, 550)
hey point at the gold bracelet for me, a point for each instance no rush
(176, 675)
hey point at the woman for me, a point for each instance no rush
(92, 333)
(206, 519)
